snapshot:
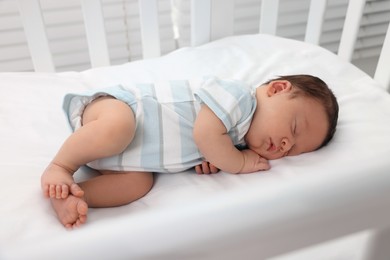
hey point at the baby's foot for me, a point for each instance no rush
(72, 211)
(57, 182)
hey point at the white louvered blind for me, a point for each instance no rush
(14, 55)
(66, 33)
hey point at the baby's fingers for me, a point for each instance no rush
(206, 168)
(200, 169)
(64, 192)
(262, 164)
(52, 190)
(76, 190)
(46, 191)
(58, 191)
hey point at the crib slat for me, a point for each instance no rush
(269, 16)
(382, 72)
(37, 41)
(222, 22)
(95, 31)
(351, 28)
(200, 22)
(315, 21)
(150, 35)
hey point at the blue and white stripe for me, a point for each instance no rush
(165, 114)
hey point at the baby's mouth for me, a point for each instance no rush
(272, 146)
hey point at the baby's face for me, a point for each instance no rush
(284, 126)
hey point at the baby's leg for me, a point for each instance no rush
(107, 190)
(114, 188)
(108, 128)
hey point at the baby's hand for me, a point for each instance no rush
(253, 162)
(58, 183)
(61, 191)
(206, 168)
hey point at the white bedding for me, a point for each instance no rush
(188, 216)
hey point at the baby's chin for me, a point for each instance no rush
(269, 156)
(263, 154)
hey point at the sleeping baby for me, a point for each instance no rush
(128, 132)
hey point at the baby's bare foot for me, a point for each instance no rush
(57, 182)
(72, 211)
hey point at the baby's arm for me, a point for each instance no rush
(211, 137)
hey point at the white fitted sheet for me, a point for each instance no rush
(187, 216)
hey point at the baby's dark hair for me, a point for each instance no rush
(314, 87)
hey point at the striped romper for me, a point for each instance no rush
(165, 114)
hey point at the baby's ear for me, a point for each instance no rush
(278, 86)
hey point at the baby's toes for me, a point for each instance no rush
(68, 226)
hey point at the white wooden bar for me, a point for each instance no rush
(269, 16)
(34, 28)
(382, 72)
(150, 35)
(315, 21)
(222, 22)
(351, 29)
(200, 22)
(95, 31)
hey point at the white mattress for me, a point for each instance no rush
(188, 216)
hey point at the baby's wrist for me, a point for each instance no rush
(243, 162)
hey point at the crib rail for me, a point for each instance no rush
(315, 21)
(210, 20)
(96, 37)
(149, 28)
(382, 72)
(34, 28)
(351, 28)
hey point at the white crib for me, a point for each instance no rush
(203, 29)
(250, 217)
